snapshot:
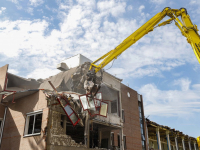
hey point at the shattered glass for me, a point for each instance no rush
(84, 102)
(74, 118)
(91, 104)
(71, 114)
(68, 110)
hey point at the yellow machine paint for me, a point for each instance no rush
(198, 141)
(187, 28)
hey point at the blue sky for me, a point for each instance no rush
(38, 34)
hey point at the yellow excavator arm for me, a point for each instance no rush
(187, 28)
(198, 142)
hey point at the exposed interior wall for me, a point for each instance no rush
(15, 123)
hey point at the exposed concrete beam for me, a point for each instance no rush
(176, 142)
(183, 142)
(189, 143)
(158, 138)
(195, 148)
(168, 140)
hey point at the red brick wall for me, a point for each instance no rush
(132, 125)
(15, 121)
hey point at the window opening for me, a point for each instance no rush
(128, 94)
(123, 115)
(33, 123)
(114, 106)
(124, 139)
(112, 139)
(141, 123)
(118, 137)
(139, 98)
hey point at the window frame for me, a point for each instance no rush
(141, 118)
(27, 123)
(112, 139)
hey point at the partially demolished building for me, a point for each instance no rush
(56, 113)
(162, 137)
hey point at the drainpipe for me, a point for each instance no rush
(4, 119)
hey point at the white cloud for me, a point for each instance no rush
(13, 71)
(46, 72)
(130, 7)
(14, 1)
(170, 102)
(2, 10)
(116, 8)
(184, 83)
(86, 31)
(194, 2)
(141, 8)
(157, 1)
(36, 2)
(30, 10)
(25, 36)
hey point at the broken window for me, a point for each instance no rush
(71, 115)
(91, 104)
(84, 102)
(114, 106)
(104, 109)
(33, 123)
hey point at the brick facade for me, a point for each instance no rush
(15, 123)
(131, 125)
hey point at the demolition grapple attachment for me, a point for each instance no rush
(92, 83)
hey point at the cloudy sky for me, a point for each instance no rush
(35, 35)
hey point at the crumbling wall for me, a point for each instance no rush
(57, 137)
